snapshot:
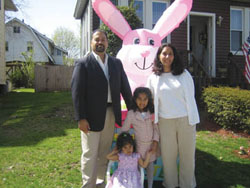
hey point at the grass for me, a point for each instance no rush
(39, 140)
(217, 163)
(40, 146)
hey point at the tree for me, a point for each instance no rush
(115, 43)
(20, 5)
(66, 39)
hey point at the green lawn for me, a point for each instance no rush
(40, 146)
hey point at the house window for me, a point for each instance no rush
(16, 29)
(239, 27)
(139, 9)
(29, 46)
(115, 2)
(6, 46)
(236, 29)
(59, 53)
(150, 11)
(157, 9)
(249, 22)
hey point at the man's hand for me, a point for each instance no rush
(83, 125)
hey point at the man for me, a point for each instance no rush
(97, 82)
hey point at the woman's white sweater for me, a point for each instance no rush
(174, 96)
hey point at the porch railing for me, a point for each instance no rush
(197, 70)
(235, 74)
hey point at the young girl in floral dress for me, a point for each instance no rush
(127, 174)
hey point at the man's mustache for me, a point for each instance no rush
(100, 45)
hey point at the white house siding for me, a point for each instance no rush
(44, 42)
(86, 25)
(2, 46)
(58, 59)
(18, 44)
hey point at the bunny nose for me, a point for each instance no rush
(145, 54)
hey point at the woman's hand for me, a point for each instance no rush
(154, 147)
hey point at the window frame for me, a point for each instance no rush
(157, 1)
(248, 17)
(16, 29)
(245, 26)
(116, 3)
(58, 52)
(6, 45)
(143, 12)
(30, 46)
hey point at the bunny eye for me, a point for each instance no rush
(136, 41)
(151, 41)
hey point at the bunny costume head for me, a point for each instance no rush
(140, 46)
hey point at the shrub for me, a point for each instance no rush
(115, 43)
(24, 76)
(228, 107)
(17, 78)
(68, 61)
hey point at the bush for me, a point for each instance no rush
(24, 76)
(228, 107)
(115, 43)
(17, 78)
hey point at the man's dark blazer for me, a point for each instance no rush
(89, 88)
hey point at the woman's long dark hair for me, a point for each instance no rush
(139, 90)
(123, 139)
(177, 66)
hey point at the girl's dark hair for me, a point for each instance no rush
(177, 66)
(123, 139)
(139, 90)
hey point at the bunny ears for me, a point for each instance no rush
(170, 19)
(112, 17)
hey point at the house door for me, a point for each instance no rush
(202, 40)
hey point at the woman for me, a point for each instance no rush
(177, 115)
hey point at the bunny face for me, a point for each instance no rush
(137, 67)
(137, 55)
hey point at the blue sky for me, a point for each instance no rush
(46, 15)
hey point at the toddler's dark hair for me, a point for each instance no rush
(139, 90)
(123, 139)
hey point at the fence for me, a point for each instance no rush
(53, 77)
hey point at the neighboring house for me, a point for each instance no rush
(21, 37)
(5, 5)
(211, 36)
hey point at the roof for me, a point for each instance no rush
(37, 34)
(9, 5)
(80, 7)
(48, 39)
